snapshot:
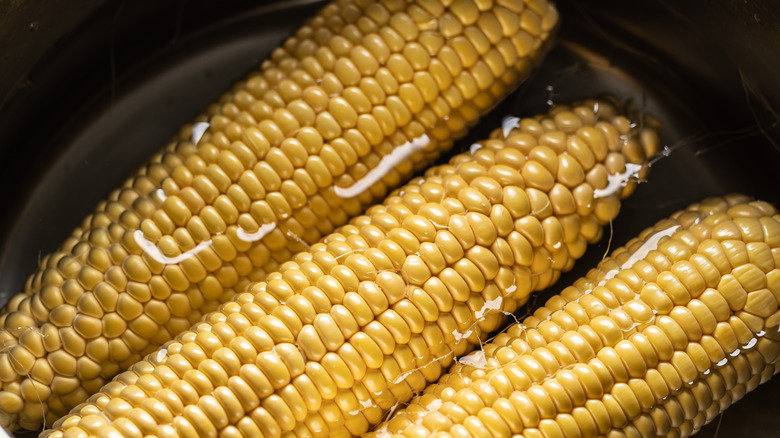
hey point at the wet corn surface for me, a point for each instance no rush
(361, 96)
(362, 321)
(591, 58)
(658, 341)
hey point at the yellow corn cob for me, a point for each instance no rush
(288, 156)
(377, 310)
(657, 341)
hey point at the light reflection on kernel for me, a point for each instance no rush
(198, 129)
(651, 244)
(618, 181)
(474, 359)
(458, 335)
(508, 124)
(298, 239)
(161, 354)
(434, 406)
(494, 304)
(151, 249)
(364, 404)
(386, 164)
(257, 235)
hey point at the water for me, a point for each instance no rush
(89, 124)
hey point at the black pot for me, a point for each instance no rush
(90, 88)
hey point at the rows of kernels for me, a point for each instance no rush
(355, 82)
(686, 412)
(376, 311)
(656, 344)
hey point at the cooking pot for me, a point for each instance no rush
(90, 88)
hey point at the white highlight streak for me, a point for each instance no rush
(617, 182)
(257, 235)
(474, 359)
(650, 245)
(198, 130)
(494, 304)
(509, 123)
(387, 163)
(150, 248)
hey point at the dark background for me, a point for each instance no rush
(90, 88)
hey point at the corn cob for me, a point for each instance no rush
(290, 153)
(657, 341)
(378, 309)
